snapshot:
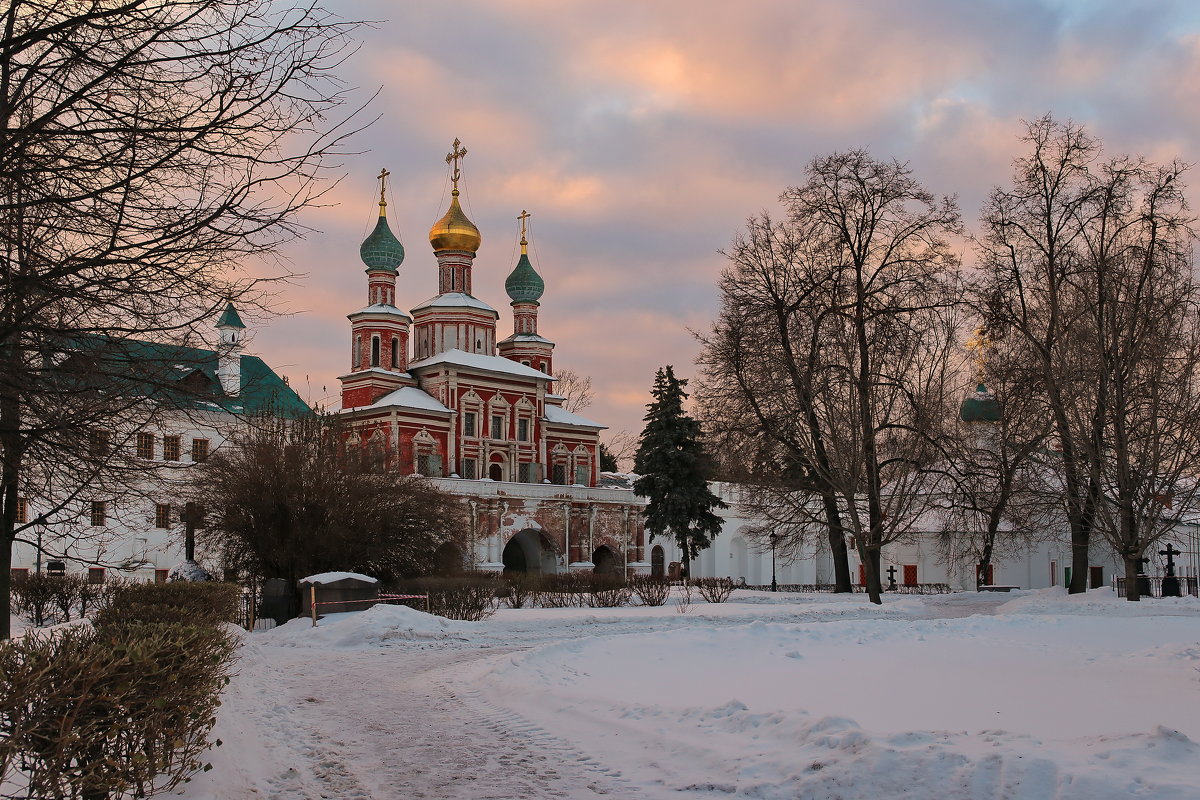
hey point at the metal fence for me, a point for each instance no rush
(1153, 586)
(903, 588)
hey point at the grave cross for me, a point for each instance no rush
(891, 571)
(1170, 553)
(1143, 562)
(1170, 584)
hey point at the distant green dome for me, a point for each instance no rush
(980, 406)
(524, 285)
(381, 250)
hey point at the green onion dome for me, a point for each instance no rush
(523, 284)
(381, 250)
(980, 406)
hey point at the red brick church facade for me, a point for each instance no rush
(436, 393)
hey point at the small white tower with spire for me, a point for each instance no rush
(229, 359)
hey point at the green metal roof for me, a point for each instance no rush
(523, 284)
(178, 376)
(381, 249)
(980, 406)
(230, 318)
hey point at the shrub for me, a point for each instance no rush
(684, 604)
(715, 590)
(520, 589)
(471, 597)
(609, 593)
(179, 602)
(33, 597)
(122, 711)
(567, 590)
(650, 591)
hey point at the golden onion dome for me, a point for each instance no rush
(454, 231)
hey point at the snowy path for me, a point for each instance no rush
(724, 701)
(379, 726)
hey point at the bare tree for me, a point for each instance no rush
(758, 390)
(149, 151)
(1139, 347)
(1087, 268)
(997, 506)
(1029, 257)
(835, 342)
(575, 388)
(289, 498)
(622, 447)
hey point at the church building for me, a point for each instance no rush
(438, 393)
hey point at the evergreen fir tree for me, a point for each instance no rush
(608, 462)
(673, 472)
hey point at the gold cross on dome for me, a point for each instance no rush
(978, 346)
(455, 157)
(383, 175)
(524, 215)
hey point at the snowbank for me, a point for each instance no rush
(375, 627)
(334, 577)
(1056, 600)
(1025, 704)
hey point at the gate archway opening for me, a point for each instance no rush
(605, 561)
(529, 551)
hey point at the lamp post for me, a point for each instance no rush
(774, 583)
(39, 526)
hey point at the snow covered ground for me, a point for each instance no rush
(1030, 695)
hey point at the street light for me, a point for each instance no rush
(39, 526)
(774, 583)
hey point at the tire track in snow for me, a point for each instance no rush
(388, 725)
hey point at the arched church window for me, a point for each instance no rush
(395, 353)
(357, 356)
(374, 351)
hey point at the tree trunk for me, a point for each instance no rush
(5, 586)
(10, 414)
(1079, 560)
(837, 547)
(1133, 565)
(687, 565)
(870, 560)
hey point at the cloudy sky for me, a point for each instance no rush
(640, 135)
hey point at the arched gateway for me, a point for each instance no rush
(530, 551)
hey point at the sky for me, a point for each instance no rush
(641, 135)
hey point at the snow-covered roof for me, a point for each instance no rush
(334, 577)
(560, 416)
(528, 337)
(617, 480)
(461, 358)
(410, 397)
(379, 308)
(455, 300)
